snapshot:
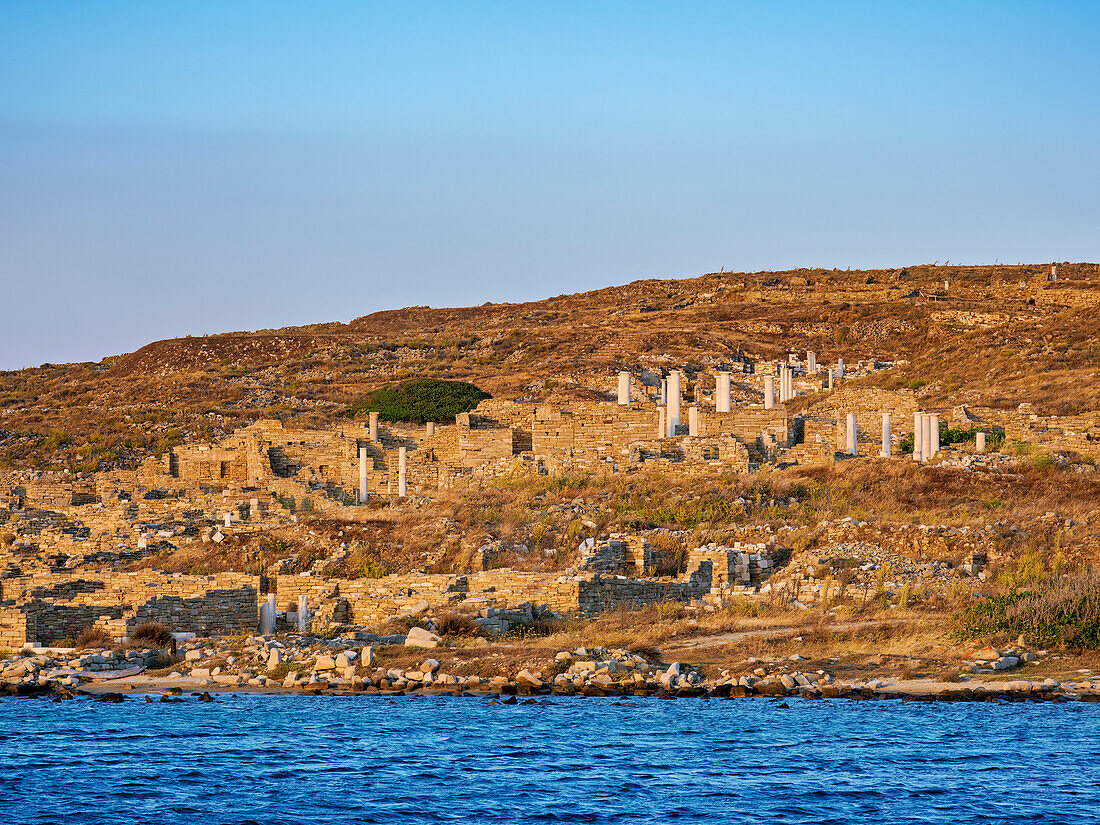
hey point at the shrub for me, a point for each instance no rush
(91, 637)
(1058, 610)
(156, 634)
(420, 400)
(457, 624)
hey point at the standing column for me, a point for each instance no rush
(935, 427)
(885, 452)
(624, 389)
(830, 378)
(373, 426)
(362, 475)
(673, 414)
(839, 367)
(851, 433)
(267, 616)
(400, 472)
(664, 393)
(693, 421)
(926, 438)
(429, 429)
(303, 614)
(662, 426)
(769, 392)
(811, 362)
(918, 436)
(979, 442)
(722, 393)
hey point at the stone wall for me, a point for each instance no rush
(57, 608)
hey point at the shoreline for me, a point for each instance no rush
(910, 690)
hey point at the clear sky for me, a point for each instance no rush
(176, 168)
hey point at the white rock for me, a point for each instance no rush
(419, 637)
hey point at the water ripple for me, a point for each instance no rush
(294, 759)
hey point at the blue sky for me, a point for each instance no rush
(182, 168)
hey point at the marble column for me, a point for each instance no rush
(303, 614)
(850, 432)
(935, 427)
(918, 436)
(673, 414)
(693, 421)
(624, 389)
(401, 468)
(979, 442)
(885, 451)
(373, 426)
(722, 393)
(769, 392)
(362, 475)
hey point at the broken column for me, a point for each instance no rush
(303, 614)
(624, 389)
(979, 442)
(839, 367)
(851, 434)
(429, 429)
(722, 393)
(693, 421)
(918, 435)
(811, 362)
(935, 427)
(373, 426)
(362, 475)
(401, 484)
(830, 378)
(769, 393)
(662, 427)
(885, 451)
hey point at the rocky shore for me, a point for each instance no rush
(359, 665)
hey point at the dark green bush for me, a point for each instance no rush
(420, 400)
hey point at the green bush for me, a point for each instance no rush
(420, 400)
(1057, 610)
(994, 437)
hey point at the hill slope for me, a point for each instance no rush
(993, 335)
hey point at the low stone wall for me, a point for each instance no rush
(46, 609)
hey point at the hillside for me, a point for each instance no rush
(986, 335)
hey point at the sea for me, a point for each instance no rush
(410, 759)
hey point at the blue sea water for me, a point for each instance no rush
(324, 759)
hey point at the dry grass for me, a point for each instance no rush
(457, 624)
(152, 634)
(93, 637)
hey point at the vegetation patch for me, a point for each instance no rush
(1057, 610)
(420, 400)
